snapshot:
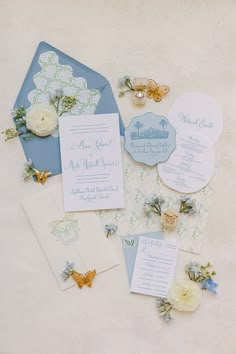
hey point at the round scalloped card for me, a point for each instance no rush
(191, 166)
(197, 113)
(150, 139)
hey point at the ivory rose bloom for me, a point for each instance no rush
(184, 295)
(42, 119)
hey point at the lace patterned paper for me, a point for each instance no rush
(143, 182)
(54, 76)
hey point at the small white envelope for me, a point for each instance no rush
(74, 237)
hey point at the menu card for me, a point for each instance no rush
(154, 267)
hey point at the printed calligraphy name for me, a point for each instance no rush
(200, 122)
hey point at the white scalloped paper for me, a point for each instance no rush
(143, 182)
(54, 76)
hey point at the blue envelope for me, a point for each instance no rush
(45, 152)
(130, 246)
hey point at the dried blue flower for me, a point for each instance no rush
(58, 93)
(184, 198)
(153, 205)
(200, 274)
(209, 284)
(187, 205)
(111, 229)
(68, 270)
(62, 103)
(28, 170)
(125, 81)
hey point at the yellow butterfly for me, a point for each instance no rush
(41, 176)
(84, 279)
(156, 91)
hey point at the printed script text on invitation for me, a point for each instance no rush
(91, 162)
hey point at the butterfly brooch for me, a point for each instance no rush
(80, 278)
(30, 171)
(41, 176)
(156, 91)
(143, 88)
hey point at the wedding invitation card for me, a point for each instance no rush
(91, 162)
(52, 70)
(154, 267)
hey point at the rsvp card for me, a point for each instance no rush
(91, 162)
(154, 267)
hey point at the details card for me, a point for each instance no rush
(150, 139)
(91, 162)
(154, 267)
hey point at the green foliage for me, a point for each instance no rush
(62, 103)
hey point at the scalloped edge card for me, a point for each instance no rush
(150, 139)
(191, 166)
(197, 113)
(49, 71)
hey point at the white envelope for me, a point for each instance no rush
(74, 237)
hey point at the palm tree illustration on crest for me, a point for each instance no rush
(138, 125)
(163, 124)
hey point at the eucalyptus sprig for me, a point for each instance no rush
(125, 82)
(62, 103)
(19, 115)
(164, 307)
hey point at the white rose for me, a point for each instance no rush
(42, 119)
(184, 295)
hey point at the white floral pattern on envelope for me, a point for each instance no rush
(53, 76)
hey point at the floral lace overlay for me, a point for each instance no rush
(53, 76)
(142, 182)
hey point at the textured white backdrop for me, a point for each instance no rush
(189, 45)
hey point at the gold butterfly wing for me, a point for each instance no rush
(38, 175)
(79, 279)
(151, 87)
(89, 278)
(44, 176)
(160, 92)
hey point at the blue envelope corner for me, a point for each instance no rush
(130, 247)
(45, 152)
